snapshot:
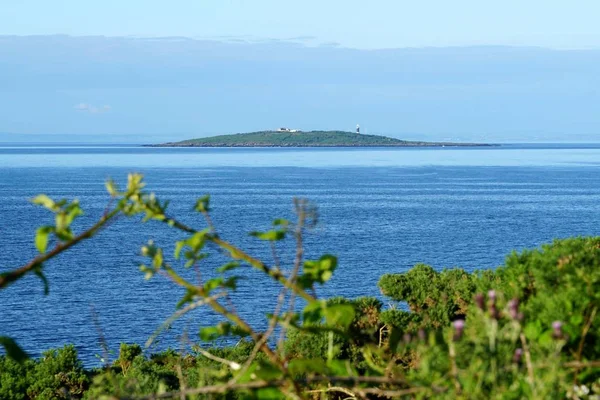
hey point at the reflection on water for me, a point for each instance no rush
(135, 157)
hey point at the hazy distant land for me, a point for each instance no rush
(305, 139)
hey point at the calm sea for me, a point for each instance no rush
(381, 210)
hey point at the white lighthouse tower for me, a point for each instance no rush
(358, 129)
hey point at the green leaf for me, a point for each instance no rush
(212, 284)
(313, 312)
(267, 371)
(339, 314)
(319, 271)
(148, 272)
(41, 238)
(272, 236)
(228, 267)
(305, 366)
(197, 240)
(111, 187)
(44, 201)
(73, 211)
(341, 368)
(38, 272)
(187, 298)
(269, 393)
(533, 330)
(211, 333)
(134, 184)
(281, 222)
(178, 247)
(157, 260)
(231, 283)
(13, 350)
(202, 204)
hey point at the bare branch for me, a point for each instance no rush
(9, 277)
(178, 314)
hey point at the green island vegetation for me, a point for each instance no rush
(305, 139)
(527, 330)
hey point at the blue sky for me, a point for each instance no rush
(352, 23)
(434, 70)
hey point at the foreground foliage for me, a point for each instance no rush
(529, 329)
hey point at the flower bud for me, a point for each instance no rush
(480, 301)
(407, 338)
(517, 356)
(459, 327)
(422, 334)
(494, 311)
(557, 330)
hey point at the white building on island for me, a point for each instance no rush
(288, 130)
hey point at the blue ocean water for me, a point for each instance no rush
(380, 211)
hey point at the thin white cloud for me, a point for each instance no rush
(92, 109)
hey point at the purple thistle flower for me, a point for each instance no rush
(459, 327)
(492, 295)
(557, 328)
(517, 355)
(422, 334)
(557, 325)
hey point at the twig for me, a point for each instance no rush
(454, 369)
(263, 340)
(333, 389)
(578, 364)
(9, 277)
(208, 390)
(182, 395)
(224, 388)
(280, 301)
(528, 362)
(392, 394)
(231, 364)
(586, 328)
(178, 314)
(239, 254)
(101, 338)
(301, 212)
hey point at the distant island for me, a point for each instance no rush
(293, 138)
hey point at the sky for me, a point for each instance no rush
(427, 70)
(350, 23)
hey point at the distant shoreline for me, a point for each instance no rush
(258, 145)
(298, 139)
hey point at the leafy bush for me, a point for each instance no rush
(59, 374)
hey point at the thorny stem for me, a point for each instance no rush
(454, 369)
(177, 315)
(239, 254)
(528, 362)
(217, 307)
(584, 333)
(281, 298)
(301, 212)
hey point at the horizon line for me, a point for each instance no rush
(300, 42)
